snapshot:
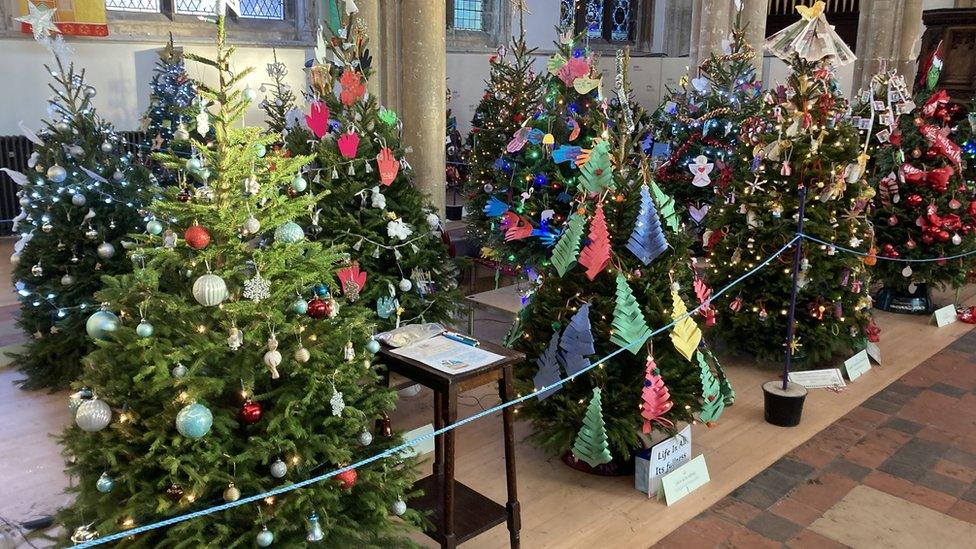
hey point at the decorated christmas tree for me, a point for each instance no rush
(619, 270)
(802, 140)
(78, 203)
(281, 113)
(171, 114)
(512, 96)
(531, 185)
(401, 265)
(215, 378)
(700, 122)
(924, 207)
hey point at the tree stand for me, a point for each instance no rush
(907, 302)
(616, 468)
(783, 407)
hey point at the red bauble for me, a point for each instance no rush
(251, 412)
(893, 220)
(197, 237)
(971, 209)
(914, 200)
(347, 479)
(184, 195)
(927, 239)
(318, 308)
(943, 236)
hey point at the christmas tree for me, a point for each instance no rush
(211, 380)
(802, 140)
(170, 116)
(402, 266)
(77, 206)
(513, 95)
(281, 114)
(700, 123)
(530, 187)
(924, 207)
(607, 293)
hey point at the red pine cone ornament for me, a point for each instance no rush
(197, 237)
(251, 412)
(655, 397)
(347, 479)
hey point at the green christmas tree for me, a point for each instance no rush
(700, 122)
(214, 382)
(281, 113)
(591, 443)
(614, 306)
(402, 265)
(77, 206)
(802, 140)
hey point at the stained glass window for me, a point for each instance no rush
(145, 6)
(567, 14)
(620, 20)
(594, 18)
(468, 14)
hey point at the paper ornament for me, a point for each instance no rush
(567, 249)
(698, 213)
(577, 342)
(701, 169)
(318, 118)
(647, 240)
(397, 228)
(629, 327)
(353, 280)
(565, 153)
(585, 85)
(388, 166)
(519, 139)
(685, 334)
(888, 190)
(555, 63)
(351, 87)
(548, 363)
(495, 207)
(596, 174)
(725, 386)
(577, 67)
(348, 144)
(655, 397)
(591, 443)
(666, 207)
(517, 227)
(704, 293)
(596, 255)
(712, 402)
(574, 128)
(812, 38)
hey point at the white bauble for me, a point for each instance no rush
(106, 250)
(302, 355)
(93, 415)
(67, 280)
(399, 507)
(252, 225)
(57, 174)
(279, 469)
(405, 285)
(433, 221)
(365, 438)
(210, 290)
(78, 199)
(272, 358)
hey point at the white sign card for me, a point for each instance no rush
(857, 365)
(819, 379)
(874, 352)
(945, 316)
(684, 480)
(666, 456)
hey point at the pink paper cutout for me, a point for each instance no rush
(388, 166)
(349, 144)
(318, 119)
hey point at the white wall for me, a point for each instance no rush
(119, 71)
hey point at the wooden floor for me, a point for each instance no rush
(560, 507)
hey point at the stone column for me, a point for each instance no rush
(676, 27)
(389, 63)
(715, 21)
(423, 30)
(876, 38)
(911, 40)
(754, 13)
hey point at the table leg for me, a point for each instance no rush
(450, 416)
(439, 439)
(471, 320)
(507, 393)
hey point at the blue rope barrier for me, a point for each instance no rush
(885, 258)
(396, 449)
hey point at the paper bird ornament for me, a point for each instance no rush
(647, 240)
(655, 397)
(577, 342)
(596, 255)
(712, 402)
(548, 364)
(591, 444)
(685, 334)
(630, 330)
(567, 249)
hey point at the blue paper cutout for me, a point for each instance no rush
(495, 207)
(647, 239)
(577, 342)
(548, 368)
(565, 153)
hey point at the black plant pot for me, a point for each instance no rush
(783, 408)
(454, 212)
(918, 302)
(616, 468)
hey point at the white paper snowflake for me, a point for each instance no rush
(257, 288)
(398, 229)
(338, 405)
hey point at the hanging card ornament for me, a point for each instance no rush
(318, 118)
(388, 166)
(585, 85)
(596, 255)
(685, 334)
(701, 169)
(655, 397)
(698, 212)
(577, 342)
(353, 281)
(567, 248)
(577, 67)
(352, 87)
(348, 144)
(647, 240)
(555, 63)
(630, 330)
(548, 364)
(591, 445)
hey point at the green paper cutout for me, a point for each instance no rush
(712, 402)
(597, 174)
(388, 117)
(666, 207)
(566, 251)
(628, 320)
(591, 443)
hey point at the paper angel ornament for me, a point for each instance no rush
(700, 171)
(812, 38)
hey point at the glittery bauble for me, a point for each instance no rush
(179, 371)
(210, 290)
(252, 225)
(373, 346)
(302, 355)
(194, 164)
(914, 200)
(365, 438)
(76, 151)
(37, 270)
(101, 324)
(106, 250)
(260, 150)
(93, 415)
(250, 94)
(318, 308)
(399, 507)
(57, 174)
(106, 146)
(67, 280)
(405, 285)
(289, 233)
(174, 492)
(299, 183)
(78, 199)
(251, 412)
(300, 306)
(264, 538)
(197, 237)
(194, 420)
(154, 227)
(231, 493)
(279, 469)
(105, 483)
(321, 290)
(347, 479)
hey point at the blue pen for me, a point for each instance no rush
(461, 339)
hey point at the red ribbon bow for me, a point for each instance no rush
(937, 178)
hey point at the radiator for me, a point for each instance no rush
(14, 152)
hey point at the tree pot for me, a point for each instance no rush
(783, 408)
(907, 302)
(454, 213)
(616, 468)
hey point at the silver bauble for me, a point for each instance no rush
(365, 438)
(90, 92)
(78, 199)
(179, 371)
(231, 493)
(62, 126)
(25, 201)
(76, 151)
(57, 174)
(105, 483)
(93, 415)
(405, 285)
(118, 175)
(302, 355)
(101, 324)
(264, 538)
(399, 507)
(252, 225)
(67, 280)
(106, 147)
(279, 469)
(210, 290)
(154, 227)
(106, 250)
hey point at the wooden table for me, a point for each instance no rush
(459, 513)
(507, 299)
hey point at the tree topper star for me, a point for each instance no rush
(41, 20)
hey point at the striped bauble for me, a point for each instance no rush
(210, 290)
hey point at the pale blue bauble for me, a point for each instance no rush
(93, 415)
(289, 233)
(260, 150)
(264, 538)
(373, 346)
(194, 164)
(105, 483)
(144, 329)
(210, 290)
(57, 174)
(154, 227)
(300, 306)
(194, 420)
(101, 324)
(299, 183)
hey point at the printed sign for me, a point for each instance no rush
(944, 316)
(684, 480)
(857, 365)
(661, 459)
(819, 379)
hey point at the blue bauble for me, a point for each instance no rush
(260, 150)
(105, 483)
(300, 306)
(264, 538)
(144, 329)
(373, 346)
(299, 183)
(194, 420)
(101, 324)
(154, 227)
(194, 164)
(321, 290)
(289, 233)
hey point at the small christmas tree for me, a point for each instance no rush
(77, 207)
(803, 139)
(700, 122)
(281, 113)
(170, 116)
(393, 233)
(591, 443)
(216, 382)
